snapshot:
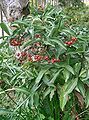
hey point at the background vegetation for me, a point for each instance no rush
(44, 65)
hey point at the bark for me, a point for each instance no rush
(13, 9)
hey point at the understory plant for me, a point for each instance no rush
(44, 68)
(77, 16)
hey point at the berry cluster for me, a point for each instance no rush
(72, 41)
(14, 42)
(22, 56)
(53, 60)
(33, 53)
(46, 58)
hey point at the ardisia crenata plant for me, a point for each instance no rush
(44, 68)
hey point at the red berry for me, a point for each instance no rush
(21, 61)
(30, 59)
(38, 57)
(46, 58)
(38, 44)
(29, 55)
(70, 43)
(73, 39)
(14, 42)
(19, 43)
(66, 42)
(55, 60)
(18, 54)
(23, 54)
(37, 36)
(52, 61)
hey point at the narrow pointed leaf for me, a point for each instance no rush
(59, 43)
(6, 28)
(66, 90)
(40, 75)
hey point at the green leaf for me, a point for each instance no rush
(29, 43)
(55, 76)
(87, 98)
(34, 88)
(69, 68)
(46, 92)
(31, 32)
(23, 90)
(26, 44)
(53, 32)
(69, 32)
(66, 90)
(4, 111)
(36, 99)
(31, 101)
(48, 43)
(37, 20)
(40, 75)
(52, 93)
(20, 22)
(23, 102)
(83, 73)
(70, 86)
(42, 117)
(6, 28)
(50, 118)
(66, 74)
(59, 43)
(63, 100)
(77, 67)
(81, 88)
(49, 90)
(67, 115)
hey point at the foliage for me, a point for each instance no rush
(78, 16)
(44, 68)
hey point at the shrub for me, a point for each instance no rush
(44, 68)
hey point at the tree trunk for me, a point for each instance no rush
(13, 8)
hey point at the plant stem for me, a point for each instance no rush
(56, 107)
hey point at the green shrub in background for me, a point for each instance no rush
(72, 3)
(78, 16)
(44, 68)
